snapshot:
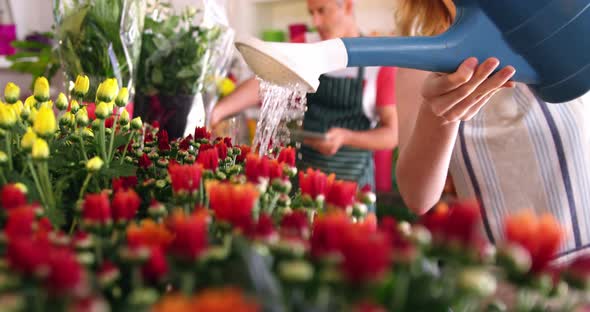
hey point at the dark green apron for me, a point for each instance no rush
(338, 102)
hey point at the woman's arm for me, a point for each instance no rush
(430, 108)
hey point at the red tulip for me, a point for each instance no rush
(296, 224)
(185, 178)
(124, 183)
(540, 236)
(202, 133)
(190, 236)
(125, 205)
(257, 168)
(28, 256)
(221, 150)
(96, 209)
(245, 150)
(163, 141)
(342, 194)
(314, 182)
(20, 223)
(12, 197)
(287, 156)
(232, 203)
(209, 159)
(185, 144)
(144, 161)
(156, 266)
(326, 238)
(65, 273)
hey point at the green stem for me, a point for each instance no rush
(126, 146)
(112, 141)
(4, 181)
(84, 185)
(9, 150)
(98, 249)
(102, 138)
(73, 226)
(81, 140)
(37, 182)
(44, 174)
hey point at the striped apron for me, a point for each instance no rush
(522, 153)
(338, 102)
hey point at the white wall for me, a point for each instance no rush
(32, 15)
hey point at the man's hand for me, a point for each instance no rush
(335, 139)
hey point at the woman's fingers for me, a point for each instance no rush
(442, 104)
(438, 84)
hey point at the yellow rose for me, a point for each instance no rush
(122, 98)
(44, 124)
(11, 93)
(28, 139)
(81, 86)
(33, 115)
(7, 116)
(102, 111)
(94, 164)
(107, 90)
(48, 104)
(40, 150)
(41, 89)
(87, 133)
(61, 102)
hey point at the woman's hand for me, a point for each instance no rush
(460, 95)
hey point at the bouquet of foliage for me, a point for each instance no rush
(109, 214)
(176, 51)
(100, 39)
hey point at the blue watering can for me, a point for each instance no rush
(547, 41)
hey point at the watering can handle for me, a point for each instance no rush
(472, 34)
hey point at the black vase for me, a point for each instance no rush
(171, 111)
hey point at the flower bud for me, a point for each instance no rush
(28, 139)
(96, 124)
(161, 184)
(87, 133)
(156, 210)
(81, 86)
(284, 200)
(94, 164)
(44, 124)
(67, 119)
(515, 258)
(7, 116)
(107, 90)
(122, 98)
(124, 118)
(102, 111)
(478, 281)
(40, 150)
(41, 89)
(18, 107)
(74, 106)
(61, 102)
(47, 104)
(82, 117)
(296, 270)
(3, 158)
(136, 123)
(11, 93)
(162, 163)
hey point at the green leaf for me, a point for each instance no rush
(118, 170)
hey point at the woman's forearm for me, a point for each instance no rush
(423, 163)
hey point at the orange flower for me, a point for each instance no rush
(210, 300)
(232, 203)
(540, 236)
(148, 233)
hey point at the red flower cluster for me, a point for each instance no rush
(245, 150)
(12, 197)
(186, 179)
(185, 143)
(209, 158)
(221, 149)
(540, 236)
(124, 183)
(458, 223)
(335, 234)
(257, 168)
(287, 156)
(296, 225)
(314, 182)
(232, 203)
(144, 161)
(98, 211)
